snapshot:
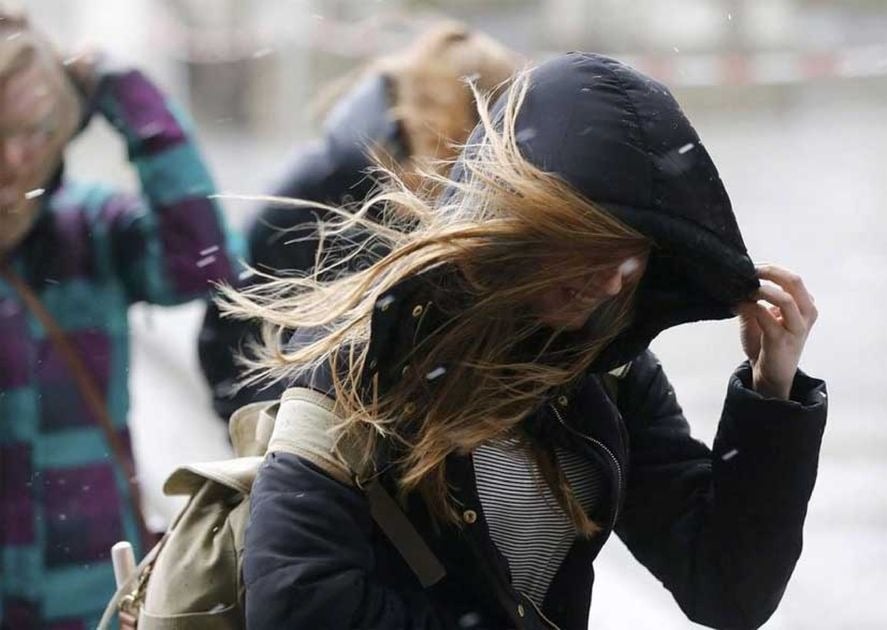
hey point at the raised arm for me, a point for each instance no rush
(721, 530)
(171, 242)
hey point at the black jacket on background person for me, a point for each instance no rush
(721, 528)
(282, 237)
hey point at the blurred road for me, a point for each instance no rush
(806, 170)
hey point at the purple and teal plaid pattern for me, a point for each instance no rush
(92, 253)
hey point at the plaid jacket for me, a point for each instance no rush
(92, 252)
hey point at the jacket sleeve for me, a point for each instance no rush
(170, 242)
(279, 241)
(309, 559)
(721, 529)
(219, 343)
(282, 240)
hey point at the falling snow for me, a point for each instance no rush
(151, 129)
(436, 373)
(525, 135)
(729, 455)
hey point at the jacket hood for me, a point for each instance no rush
(334, 169)
(363, 119)
(621, 140)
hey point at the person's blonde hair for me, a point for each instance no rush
(22, 47)
(506, 231)
(18, 47)
(431, 96)
(433, 99)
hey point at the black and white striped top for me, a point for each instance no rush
(525, 521)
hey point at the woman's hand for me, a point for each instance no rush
(128, 621)
(83, 70)
(773, 334)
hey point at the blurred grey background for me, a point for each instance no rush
(790, 96)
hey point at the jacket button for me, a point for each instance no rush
(417, 310)
(562, 401)
(520, 610)
(469, 516)
(385, 302)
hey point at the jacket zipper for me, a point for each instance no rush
(602, 447)
(539, 612)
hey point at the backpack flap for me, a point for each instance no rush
(237, 474)
(250, 427)
(195, 582)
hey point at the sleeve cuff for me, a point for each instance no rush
(807, 392)
(753, 418)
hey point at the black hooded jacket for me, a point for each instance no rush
(721, 528)
(282, 238)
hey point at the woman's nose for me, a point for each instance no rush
(12, 154)
(612, 284)
(614, 281)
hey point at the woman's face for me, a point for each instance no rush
(36, 120)
(569, 305)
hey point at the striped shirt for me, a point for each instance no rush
(525, 521)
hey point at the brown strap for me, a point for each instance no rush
(307, 431)
(403, 535)
(88, 390)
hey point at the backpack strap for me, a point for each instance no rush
(397, 527)
(304, 426)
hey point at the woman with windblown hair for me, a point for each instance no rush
(494, 366)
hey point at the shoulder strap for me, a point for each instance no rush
(304, 427)
(88, 390)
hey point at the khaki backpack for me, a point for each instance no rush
(191, 580)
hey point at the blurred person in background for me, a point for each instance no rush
(411, 110)
(73, 258)
(493, 372)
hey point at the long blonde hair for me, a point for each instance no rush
(431, 97)
(507, 230)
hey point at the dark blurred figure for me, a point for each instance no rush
(411, 111)
(73, 257)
